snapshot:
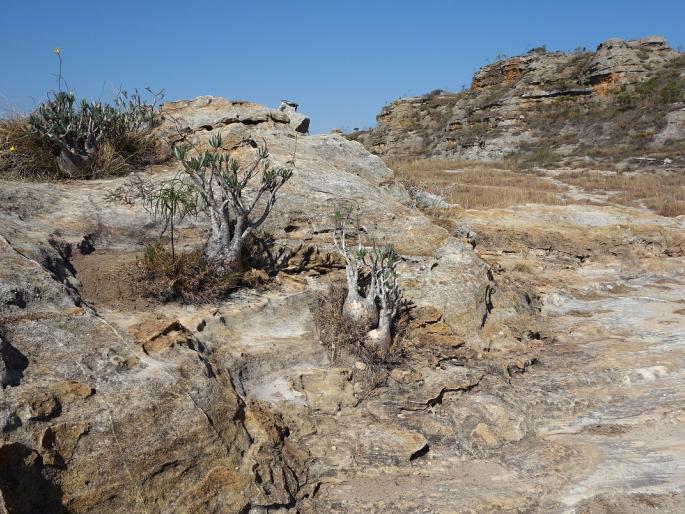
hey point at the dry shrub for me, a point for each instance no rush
(135, 189)
(474, 185)
(339, 336)
(188, 278)
(24, 153)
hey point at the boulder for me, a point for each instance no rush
(675, 128)
(298, 122)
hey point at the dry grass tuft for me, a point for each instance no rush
(663, 193)
(475, 185)
(24, 153)
(188, 278)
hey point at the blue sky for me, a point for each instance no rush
(341, 60)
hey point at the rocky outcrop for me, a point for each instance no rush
(111, 405)
(619, 60)
(95, 421)
(554, 102)
(185, 118)
(298, 121)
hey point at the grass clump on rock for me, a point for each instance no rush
(186, 276)
(70, 138)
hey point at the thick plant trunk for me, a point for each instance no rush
(233, 260)
(216, 247)
(75, 165)
(360, 310)
(224, 249)
(357, 309)
(380, 338)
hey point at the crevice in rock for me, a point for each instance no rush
(488, 300)
(420, 452)
(60, 266)
(161, 469)
(251, 122)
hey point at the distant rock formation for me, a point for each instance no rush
(502, 112)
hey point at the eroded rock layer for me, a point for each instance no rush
(113, 404)
(547, 105)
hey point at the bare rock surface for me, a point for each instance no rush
(540, 372)
(114, 406)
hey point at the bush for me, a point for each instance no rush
(188, 278)
(24, 153)
(672, 92)
(626, 100)
(69, 138)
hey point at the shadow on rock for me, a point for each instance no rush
(12, 364)
(24, 487)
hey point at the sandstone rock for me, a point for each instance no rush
(288, 106)
(196, 119)
(68, 391)
(426, 200)
(433, 285)
(504, 110)
(617, 59)
(102, 450)
(237, 407)
(204, 377)
(58, 442)
(483, 434)
(675, 128)
(328, 390)
(42, 406)
(158, 335)
(298, 122)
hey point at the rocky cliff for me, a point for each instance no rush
(624, 100)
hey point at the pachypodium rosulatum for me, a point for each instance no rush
(375, 304)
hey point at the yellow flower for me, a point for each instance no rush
(12, 149)
(57, 50)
